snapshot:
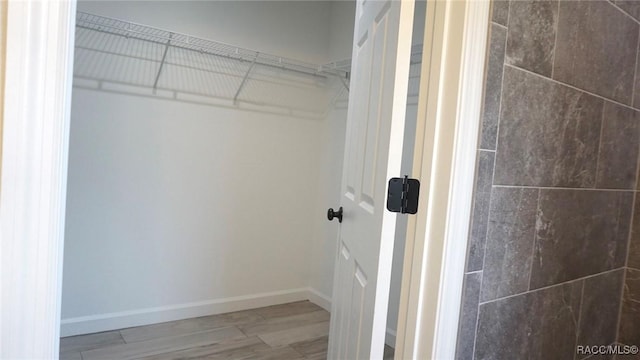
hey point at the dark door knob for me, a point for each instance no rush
(335, 214)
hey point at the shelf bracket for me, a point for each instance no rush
(344, 83)
(244, 79)
(164, 56)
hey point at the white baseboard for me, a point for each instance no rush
(319, 299)
(125, 319)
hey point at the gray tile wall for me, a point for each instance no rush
(554, 247)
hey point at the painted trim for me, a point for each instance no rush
(119, 320)
(469, 112)
(3, 54)
(39, 66)
(36, 118)
(445, 161)
(319, 299)
(408, 335)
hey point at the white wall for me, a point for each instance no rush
(177, 209)
(150, 232)
(342, 19)
(172, 203)
(296, 29)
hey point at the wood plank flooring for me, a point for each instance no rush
(295, 331)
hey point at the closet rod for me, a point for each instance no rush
(162, 37)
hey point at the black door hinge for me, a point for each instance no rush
(403, 195)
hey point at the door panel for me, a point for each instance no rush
(373, 150)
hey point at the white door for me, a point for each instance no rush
(373, 150)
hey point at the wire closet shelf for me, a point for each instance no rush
(121, 56)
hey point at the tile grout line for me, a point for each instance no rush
(633, 212)
(634, 301)
(635, 72)
(619, 319)
(495, 152)
(575, 345)
(484, 257)
(303, 356)
(475, 332)
(122, 342)
(498, 24)
(473, 219)
(572, 87)
(122, 337)
(504, 63)
(553, 188)
(244, 333)
(563, 188)
(554, 285)
(493, 174)
(629, 236)
(555, 42)
(624, 12)
(595, 180)
(535, 239)
(484, 252)
(633, 268)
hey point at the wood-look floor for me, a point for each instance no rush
(281, 332)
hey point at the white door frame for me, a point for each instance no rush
(449, 108)
(36, 119)
(37, 101)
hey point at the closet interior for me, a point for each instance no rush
(121, 56)
(206, 146)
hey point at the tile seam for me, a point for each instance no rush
(596, 177)
(619, 319)
(122, 337)
(562, 188)
(635, 72)
(535, 240)
(498, 24)
(575, 353)
(555, 42)
(551, 286)
(624, 12)
(571, 87)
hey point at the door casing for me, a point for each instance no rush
(449, 112)
(34, 168)
(37, 102)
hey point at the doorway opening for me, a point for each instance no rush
(200, 172)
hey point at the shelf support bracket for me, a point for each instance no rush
(244, 79)
(344, 83)
(164, 57)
